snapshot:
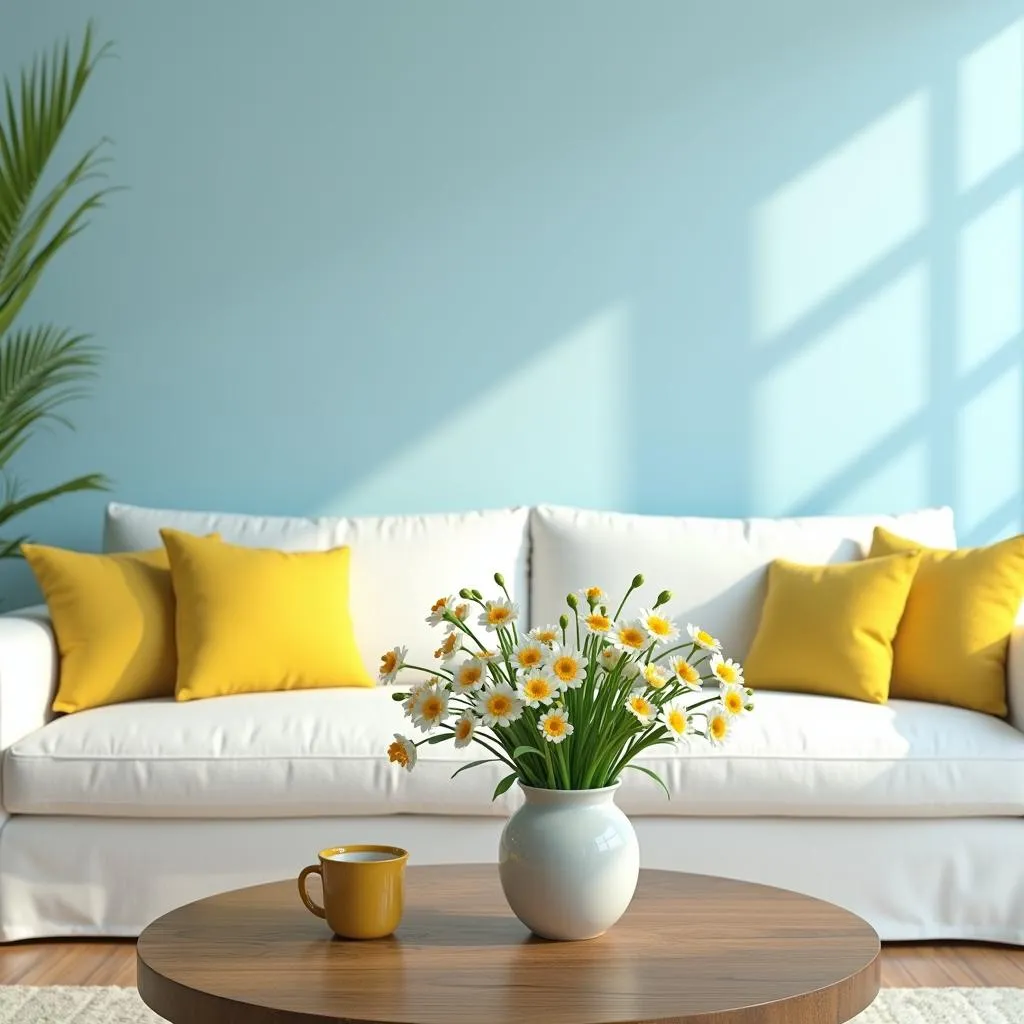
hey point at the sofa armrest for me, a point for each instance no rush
(1015, 673)
(28, 672)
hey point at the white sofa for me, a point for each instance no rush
(908, 813)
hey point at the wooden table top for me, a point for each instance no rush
(691, 949)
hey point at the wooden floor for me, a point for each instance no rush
(904, 965)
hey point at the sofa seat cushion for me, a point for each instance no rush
(321, 752)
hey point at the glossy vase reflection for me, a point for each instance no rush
(568, 861)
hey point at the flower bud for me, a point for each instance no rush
(499, 579)
(572, 601)
(476, 594)
(563, 621)
(465, 593)
(399, 696)
(638, 581)
(663, 598)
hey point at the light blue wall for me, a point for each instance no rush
(661, 255)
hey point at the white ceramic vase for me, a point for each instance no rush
(569, 862)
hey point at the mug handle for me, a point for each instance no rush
(313, 869)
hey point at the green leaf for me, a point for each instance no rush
(474, 764)
(440, 738)
(653, 775)
(525, 749)
(505, 785)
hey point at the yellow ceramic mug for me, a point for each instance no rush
(363, 889)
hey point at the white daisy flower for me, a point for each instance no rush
(568, 666)
(438, 609)
(725, 670)
(734, 698)
(546, 635)
(450, 647)
(654, 676)
(609, 658)
(592, 597)
(469, 676)
(675, 716)
(465, 729)
(659, 627)
(597, 622)
(629, 636)
(402, 752)
(529, 656)
(684, 672)
(719, 724)
(487, 657)
(391, 663)
(431, 707)
(499, 705)
(415, 690)
(702, 638)
(631, 673)
(641, 708)
(536, 688)
(555, 725)
(497, 614)
(461, 610)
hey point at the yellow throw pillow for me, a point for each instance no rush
(256, 619)
(829, 628)
(113, 618)
(951, 645)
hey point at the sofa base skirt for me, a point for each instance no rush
(912, 880)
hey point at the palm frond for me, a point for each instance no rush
(90, 482)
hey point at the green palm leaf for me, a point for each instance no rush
(41, 368)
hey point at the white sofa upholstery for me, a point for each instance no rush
(907, 813)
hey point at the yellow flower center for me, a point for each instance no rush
(461, 611)
(439, 604)
(463, 728)
(659, 626)
(450, 645)
(704, 637)
(537, 689)
(677, 721)
(598, 622)
(469, 676)
(499, 705)
(555, 726)
(546, 636)
(734, 702)
(431, 707)
(397, 752)
(632, 637)
(718, 727)
(686, 672)
(388, 663)
(529, 657)
(640, 706)
(565, 668)
(726, 673)
(497, 615)
(655, 677)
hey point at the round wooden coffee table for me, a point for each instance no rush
(691, 949)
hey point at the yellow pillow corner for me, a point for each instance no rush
(829, 629)
(113, 620)
(952, 643)
(253, 620)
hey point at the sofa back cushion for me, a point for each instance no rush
(400, 564)
(715, 568)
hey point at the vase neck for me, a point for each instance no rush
(569, 797)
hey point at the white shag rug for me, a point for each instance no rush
(22, 1004)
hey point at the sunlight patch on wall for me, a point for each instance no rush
(890, 485)
(990, 106)
(989, 450)
(990, 270)
(822, 418)
(830, 224)
(519, 439)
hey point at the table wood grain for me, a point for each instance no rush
(691, 949)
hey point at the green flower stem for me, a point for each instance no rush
(622, 603)
(546, 747)
(563, 766)
(496, 752)
(430, 671)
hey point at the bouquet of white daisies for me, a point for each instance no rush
(567, 706)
